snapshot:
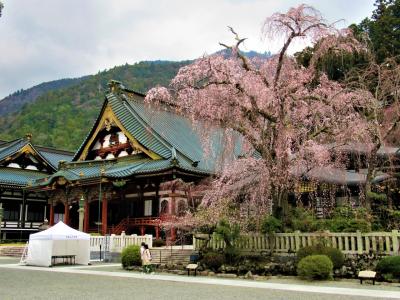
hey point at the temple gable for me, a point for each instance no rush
(110, 140)
(26, 158)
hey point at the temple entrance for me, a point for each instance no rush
(59, 211)
(74, 215)
(94, 216)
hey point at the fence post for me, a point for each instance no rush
(122, 240)
(112, 237)
(149, 240)
(395, 241)
(297, 240)
(359, 242)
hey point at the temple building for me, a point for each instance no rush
(134, 169)
(130, 171)
(21, 164)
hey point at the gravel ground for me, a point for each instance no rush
(342, 283)
(27, 284)
(32, 284)
(36, 284)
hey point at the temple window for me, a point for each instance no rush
(14, 165)
(32, 167)
(148, 208)
(111, 143)
(122, 137)
(123, 153)
(110, 156)
(164, 207)
(181, 208)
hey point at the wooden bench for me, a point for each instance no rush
(363, 275)
(67, 259)
(192, 267)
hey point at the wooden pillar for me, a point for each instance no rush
(86, 217)
(24, 212)
(104, 215)
(172, 208)
(51, 214)
(157, 232)
(142, 230)
(66, 213)
(173, 234)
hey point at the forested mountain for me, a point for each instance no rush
(18, 99)
(60, 113)
(62, 116)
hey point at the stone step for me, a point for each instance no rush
(14, 251)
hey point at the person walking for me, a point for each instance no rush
(146, 260)
(142, 250)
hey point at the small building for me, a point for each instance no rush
(21, 164)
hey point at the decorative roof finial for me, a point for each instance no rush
(174, 159)
(61, 164)
(115, 86)
(28, 136)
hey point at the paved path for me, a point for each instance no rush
(74, 283)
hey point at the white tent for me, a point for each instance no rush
(59, 240)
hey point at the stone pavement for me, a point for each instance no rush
(162, 286)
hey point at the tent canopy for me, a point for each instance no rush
(59, 241)
(60, 231)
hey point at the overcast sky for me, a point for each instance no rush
(43, 40)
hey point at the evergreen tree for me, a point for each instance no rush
(383, 29)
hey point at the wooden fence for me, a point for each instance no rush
(385, 243)
(118, 242)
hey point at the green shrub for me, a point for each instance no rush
(335, 255)
(158, 243)
(232, 254)
(270, 224)
(213, 260)
(302, 220)
(130, 256)
(228, 232)
(389, 266)
(309, 250)
(341, 224)
(315, 267)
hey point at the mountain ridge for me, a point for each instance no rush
(60, 113)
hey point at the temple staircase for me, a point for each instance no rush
(13, 251)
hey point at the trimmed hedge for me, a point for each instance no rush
(130, 256)
(389, 266)
(315, 267)
(158, 243)
(335, 255)
(213, 260)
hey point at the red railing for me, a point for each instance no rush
(124, 224)
(128, 222)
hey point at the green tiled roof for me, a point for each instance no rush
(54, 158)
(12, 148)
(138, 126)
(22, 177)
(114, 168)
(159, 129)
(18, 177)
(50, 156)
